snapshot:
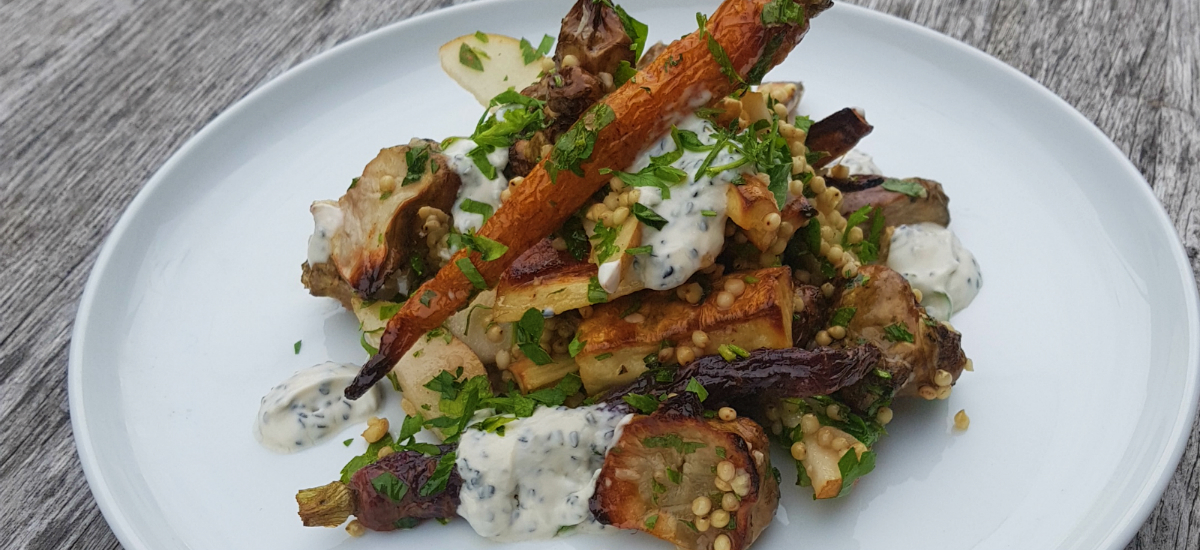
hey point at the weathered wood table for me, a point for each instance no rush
(96, 94)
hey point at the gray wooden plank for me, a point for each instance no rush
(96, 94)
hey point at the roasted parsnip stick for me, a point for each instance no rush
(752, 36)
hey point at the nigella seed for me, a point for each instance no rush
(321, 426)
(345, 417)
(704, 225)
(574, 439)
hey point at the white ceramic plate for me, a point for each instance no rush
(1084, 338)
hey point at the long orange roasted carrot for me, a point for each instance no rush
(742, 40)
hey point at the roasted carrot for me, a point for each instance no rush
(742, 40)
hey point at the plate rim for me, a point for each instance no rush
(1150, 492)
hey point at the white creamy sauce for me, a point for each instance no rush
(859, 163)
(690, 240)
(327, 219)
(539, 475)
(933, 261)
(475, 185)
(309, 408)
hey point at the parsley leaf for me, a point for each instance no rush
(842, 316)
(897, 332)
(371, 350)
(782, 12)
(417, 158)
(648, 216)
(605, 242)
(475, 207)
(441, 475)
(596, 293)
(369, 457)
(645, 404)
(577, 240)
(852, 467)
(910, 188)
(472, 274)
(576, 346)
(672, 441)
(426, 297)
(470, 57)
(695, 387)
(718, 52)
(529, 336)
(529, 55)
(296, 347)
(388, 485)
(575, 145)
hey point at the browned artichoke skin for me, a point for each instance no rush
(897, 208)
(593, 33)
(378, 512)
(836, 134)
(811, 314)
(625, 495)
(323, 280)
(788, 372)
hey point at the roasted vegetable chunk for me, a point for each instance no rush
(760, 318)
(379, 223)
(669, 475)
(922, 200)
(921, 355)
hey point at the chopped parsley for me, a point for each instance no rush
(475, 207)
(441, 475)
(596, 293)
(697, 388)
(576, 238)
(483, 37)
(651, 522)
(718, 52)
(576, 346)
(529, 336)
(469, 57)
(782, 12)
(362, 341)
(656, 174)
(388, 310)
(529, 55)
(634, 251)
(648, 216)
(852, 467)
(674, 476)
(604, 242)
(897, 332)
(644, 404)
(842, 316)
(296, 347)
(472, 274)
(426, 297)
(388, 485)
(348, 442)
(672, 441)
(575, 145)
(708, 213)
(907, 187)
(731, 352)
(603, 356)
(417, 158)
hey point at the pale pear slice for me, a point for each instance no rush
(487, 68)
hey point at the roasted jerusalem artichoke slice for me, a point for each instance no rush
(923, 201)
(836, 134)
(669, 476)
(920, 354)
(379, 225)
(761, 317)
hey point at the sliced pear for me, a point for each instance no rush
(487, 68)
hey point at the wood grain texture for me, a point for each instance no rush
(96, 94)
